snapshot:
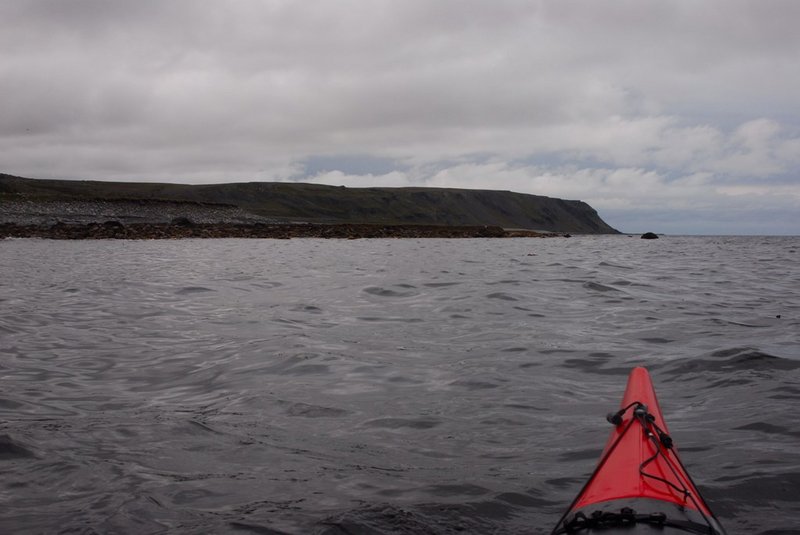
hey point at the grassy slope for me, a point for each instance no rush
(313, 202)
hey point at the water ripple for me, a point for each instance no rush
(414, 386)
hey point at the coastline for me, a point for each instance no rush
(27, 201)
(143, 220)
(184, 228)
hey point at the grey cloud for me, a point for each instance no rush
(244, 90)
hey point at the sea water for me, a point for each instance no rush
(385, 386)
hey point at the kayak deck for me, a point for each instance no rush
(640, 484)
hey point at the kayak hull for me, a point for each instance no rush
(639, 484)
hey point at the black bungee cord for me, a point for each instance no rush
(659, 439)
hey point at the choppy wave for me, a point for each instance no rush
(384, 386)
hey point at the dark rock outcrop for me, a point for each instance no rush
(649, 236)
(182, 222)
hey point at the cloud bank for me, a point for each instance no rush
(667, 116)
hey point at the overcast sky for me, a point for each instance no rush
(673, 116)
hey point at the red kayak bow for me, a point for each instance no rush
(640, 484)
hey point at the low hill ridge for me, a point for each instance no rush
(317, 203)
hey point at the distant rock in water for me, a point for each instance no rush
(649, 236)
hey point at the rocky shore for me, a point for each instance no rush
(142, 220)
(185, 228)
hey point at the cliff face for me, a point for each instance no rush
(326, 204)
